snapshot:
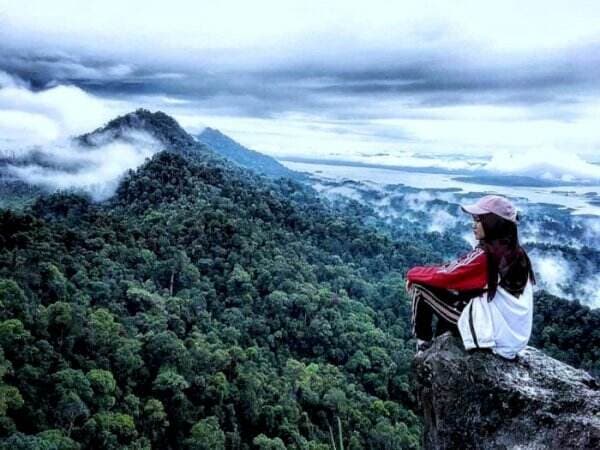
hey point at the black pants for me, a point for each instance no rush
(444, 304)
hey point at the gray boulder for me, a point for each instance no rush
(477, 400)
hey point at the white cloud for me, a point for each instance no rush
(9, 81)
(110, 40)
(547, 163)
(30, 117)
(96, 170)
(19, 129)
(41, 123)
(441, 220)
(590, 292)
(509, 25)
(553, 272)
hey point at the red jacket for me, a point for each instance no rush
(467, 273)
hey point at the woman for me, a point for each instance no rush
(497, 270)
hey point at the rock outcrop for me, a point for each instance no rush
(477, 400)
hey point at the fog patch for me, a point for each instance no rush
(553, 273)
(418, 201)
(441, 221)
(590, 292)
(529, 232)
(343, 191)
(591, 233)
(69, 166)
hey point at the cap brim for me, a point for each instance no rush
(473, 209)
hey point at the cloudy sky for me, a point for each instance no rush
(326, 78)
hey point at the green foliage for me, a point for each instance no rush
(103, 384)
(59, 440)
(206, 435)
(567, 331)
(110, 430)
(264, 443)
(13, 303)
(206, 308)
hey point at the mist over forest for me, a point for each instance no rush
(195, 300)
(565, 248)
(207, 212)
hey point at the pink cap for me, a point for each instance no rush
(496, 204)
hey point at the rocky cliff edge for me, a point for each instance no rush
(477, 400)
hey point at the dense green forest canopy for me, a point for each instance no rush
(206, 308)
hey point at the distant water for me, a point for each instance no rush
(572, 197)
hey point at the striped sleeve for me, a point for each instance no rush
(464, 274)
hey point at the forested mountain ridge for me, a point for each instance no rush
(197, 306)
(29, 173)
(203, 307)
(245, 157)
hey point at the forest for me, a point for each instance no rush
(204, 307)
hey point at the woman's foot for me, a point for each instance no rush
(422, 345)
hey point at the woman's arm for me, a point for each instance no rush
(467, 273)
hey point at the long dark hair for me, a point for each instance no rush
(505, 256)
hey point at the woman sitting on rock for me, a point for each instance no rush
(486, 296)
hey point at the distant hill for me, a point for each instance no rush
(245, 157)
(161, 126)
(514, 181)
(140, 129)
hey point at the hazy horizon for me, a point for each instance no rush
(306, 78)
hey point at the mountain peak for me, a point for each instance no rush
(215, 133)
(209, 130)
(158, 125)
(250, 159)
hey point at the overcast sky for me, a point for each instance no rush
(312, 78)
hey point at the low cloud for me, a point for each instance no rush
(590, 290)
(553, 273)
(69, 166)
(30, 117)
(549, 164)
(36, 138)
(441, 221)
(591, 234)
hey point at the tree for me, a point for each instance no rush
(13, 303)
(103, 385)
(206, 435)
(14, 338)
(262, 442)
(113, 430)
(154, 419)
(10, 397)
(168, 381)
